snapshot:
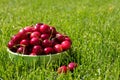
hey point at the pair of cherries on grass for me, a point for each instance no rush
(39, 39)
(63, 69)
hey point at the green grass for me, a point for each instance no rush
(93, 25)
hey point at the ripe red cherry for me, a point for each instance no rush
(72, 66)
(62, 69)
(45, 36)
(16, 39)
(35, 41)
(60, 37)
(29, 29)
(68, 39)
(21, 50)
(24, 42)
(22, 34)
(37, 49)
(65, 45)
(58, 48)
(48, 50)
(46, 43)
(37, 27)
(54, 41)
(52, 30)
(35, 34)
(44, 28)
(11, 44)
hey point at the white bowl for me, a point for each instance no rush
(42, 59)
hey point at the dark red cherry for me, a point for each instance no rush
(37, 27)
(46, 43)
(35, 34)
(44, 28)
(24, 42)
(45, 36)
(58, 48)
(37, 49)
(35, 41)
(48, 50)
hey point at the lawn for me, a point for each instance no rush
(93, 26)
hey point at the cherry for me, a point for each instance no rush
(68, 39)
(22, 34)
(46, 43)
(44, 28)
(24, 42)
(35, 34)
(35, 41)
(48, 50)
(37, 49)
(52, 30)
(60, 37)
(45, 36)
(37, 27)
(21, 50)
(16, 39)
(58, 48)
(65, 45)
(29, 29)
(72, 66)
(10, 44)
(54, 41)
(62, 69)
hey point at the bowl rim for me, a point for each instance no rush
(17, 54)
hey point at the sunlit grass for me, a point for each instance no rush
(93, 26)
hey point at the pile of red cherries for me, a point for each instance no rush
(39, 39)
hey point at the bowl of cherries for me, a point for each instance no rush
(39, 42)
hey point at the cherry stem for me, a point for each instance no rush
(51, 35)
